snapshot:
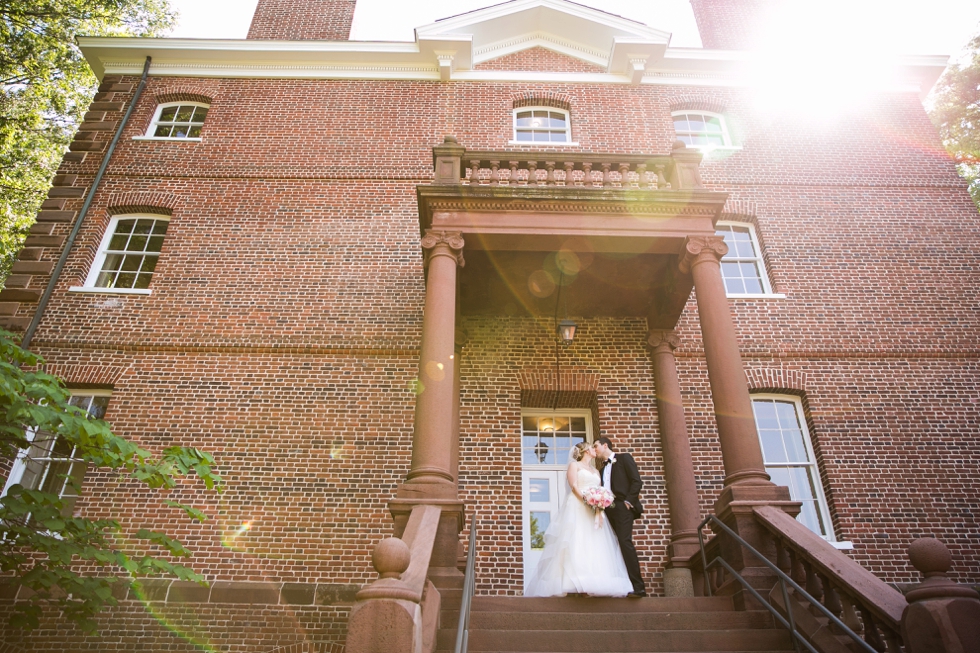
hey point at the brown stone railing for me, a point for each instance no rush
(458, 166)
(400, 610)
(866, 604)
(827, 583)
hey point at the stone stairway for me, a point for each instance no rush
(573, 624)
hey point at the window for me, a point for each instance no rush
(789, 457)
(549, 437)
(742, 267)
(178, 120)
(49, 464)
(128, 254)
(541, 125)
(701, 129)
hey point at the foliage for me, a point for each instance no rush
(41, 543)
(45, 87)
(956, 112)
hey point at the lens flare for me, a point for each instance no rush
(541, 284)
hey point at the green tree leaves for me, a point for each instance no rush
(45, 87)
(956, 112)
(45, 546)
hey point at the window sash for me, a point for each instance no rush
(701, 129)
(129, 252)
(50, 464)
(178, 120)
(790, 460)
(542, 125)
(742, 268)
(548, 436)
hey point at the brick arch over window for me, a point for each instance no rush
(542, 99)
(302, 647)
(578, 390)
(695, 103)
(157, 203)
(183, 96)
(81, 375)
(777, 380)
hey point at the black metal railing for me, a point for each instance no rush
(785, 583)
(463, 629)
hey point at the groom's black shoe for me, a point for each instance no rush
(636, 595)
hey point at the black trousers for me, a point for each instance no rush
(621, 519)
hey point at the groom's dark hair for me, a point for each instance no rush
(606, 441)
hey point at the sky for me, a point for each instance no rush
(884, 26)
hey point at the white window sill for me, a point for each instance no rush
(110, 291)
(760, 296)
(168, 138)
(841, 546)
(541, 144)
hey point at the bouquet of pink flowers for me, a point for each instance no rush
(598, 498)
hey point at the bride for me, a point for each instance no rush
(579, 558)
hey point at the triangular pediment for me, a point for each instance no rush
(595, 37)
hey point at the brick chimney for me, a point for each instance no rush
(731, 24)
(302, 20)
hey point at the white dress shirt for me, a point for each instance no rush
(607, 473)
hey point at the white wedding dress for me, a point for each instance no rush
(577, 557)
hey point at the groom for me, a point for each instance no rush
(620, 476)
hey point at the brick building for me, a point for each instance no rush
(340, 266)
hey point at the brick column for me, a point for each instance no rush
(431, 480)
(740, 447)
(682, 494)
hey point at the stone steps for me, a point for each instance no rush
(584, 624)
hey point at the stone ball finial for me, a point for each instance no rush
(930, 556)
(679, 145)
(449, 139)
(391, 557)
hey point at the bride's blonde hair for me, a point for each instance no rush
(580, 450)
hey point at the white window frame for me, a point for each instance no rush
(568, 127)
(19, 465)
(561, 412)
(821, 498)
(99, 262)
(732, 257)
(725, 133)
(148, 136)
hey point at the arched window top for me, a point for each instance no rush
(542, 124)
(178, 120)
(701, 129)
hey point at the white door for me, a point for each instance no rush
(547, 437)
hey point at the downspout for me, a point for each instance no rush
(43, 303)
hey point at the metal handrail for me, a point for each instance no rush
(784, 580)
(463, 629)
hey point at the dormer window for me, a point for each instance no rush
(542, 125)
(701, 129)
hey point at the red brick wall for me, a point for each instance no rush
(302, 20)
(283, 327)
(731, 24)
(540, 59)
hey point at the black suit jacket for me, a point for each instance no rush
(625, 481)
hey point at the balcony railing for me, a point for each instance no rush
(455, 165)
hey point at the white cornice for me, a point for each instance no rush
(629, 52)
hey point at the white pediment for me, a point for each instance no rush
(594, 36)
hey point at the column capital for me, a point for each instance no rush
(443, 243)
(662, 341)
(699, 249)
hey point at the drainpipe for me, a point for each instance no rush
(43, 303)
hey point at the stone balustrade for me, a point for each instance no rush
(866, 604)
(458, 166)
